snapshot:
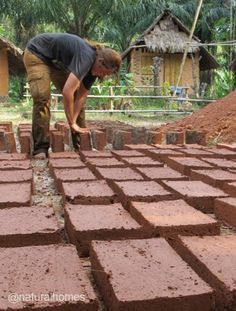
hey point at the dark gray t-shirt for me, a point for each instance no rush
(65, 52)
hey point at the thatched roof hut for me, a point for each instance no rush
(167, 39)
(11, 63)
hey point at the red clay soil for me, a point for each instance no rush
(217, 119)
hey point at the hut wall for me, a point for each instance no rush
(4, 76)
(142, 60)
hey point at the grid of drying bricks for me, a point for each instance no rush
(148, 218)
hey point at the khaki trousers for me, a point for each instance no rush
(39, 77)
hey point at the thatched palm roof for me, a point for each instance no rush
(15, 57)
(168, 35)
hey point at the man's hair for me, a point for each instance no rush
(111, 58)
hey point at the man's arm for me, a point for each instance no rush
(80, 100)
(71, 111)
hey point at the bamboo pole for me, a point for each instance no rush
(190, 39)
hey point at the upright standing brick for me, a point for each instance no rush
(8, 125)
(120, 139)
(175, 138)
(154, 137)
(10, 142)
(25, 142)
(195, 137)
(57, 143)
(147, 275)
(67, 135)
(99, 139)
(85, 141)
(2, 140)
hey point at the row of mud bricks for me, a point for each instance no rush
(98, 139)
(143, 215)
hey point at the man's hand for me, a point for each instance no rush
(75, 128)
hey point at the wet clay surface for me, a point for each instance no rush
(154, 261)
(214, 177)
(40, 270)
(90, 192)
(111, 222)
(173, 217)
(215, 256)
(15, 194)
(40, 228)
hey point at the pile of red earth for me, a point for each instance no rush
(217, 119)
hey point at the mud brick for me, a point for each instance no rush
(64, 163)
(59, 125)
(175, 138)
(195, 137)
(115, 173)
(85, 143)
(225, 210)
(169, 146)
(8, 125)
(162, 154)
(196, 193)
(16, 176)
(14, 165)
(221, 163)
(25, 143)
(88, 192)
(212, 258)
(57, 143)
(141, 161)
(120, 139)
(230, 188)
(24, 226)
(15, 194)
(71, 174)
(95, 154)
(139, 147)
(13, 156)
(39, 270)
(171, 218)
(213, 177)
(142, 191)
(169, 282)
(222, 153)
(67, 135)
(2, 140)
(154, 137)
(84, 223)
(231, 147)
(99, 139)
(197, 153)
(185, 164)
(64, 155)
(104, 162)
(161, 173)
(10, 142)
(119, 154)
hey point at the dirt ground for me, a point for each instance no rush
(217, 119)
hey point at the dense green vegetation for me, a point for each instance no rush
(118, 22)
